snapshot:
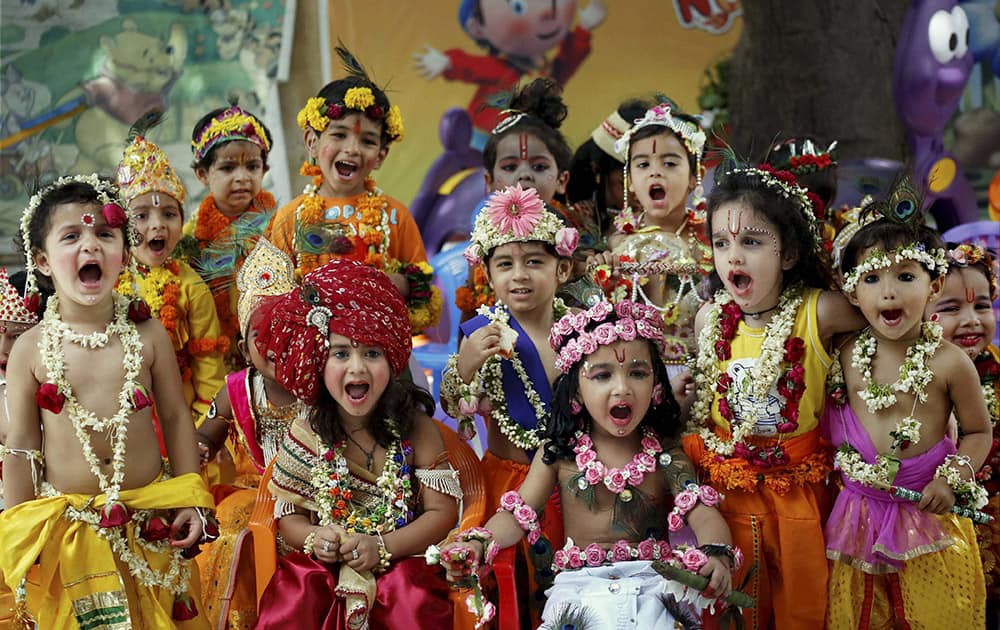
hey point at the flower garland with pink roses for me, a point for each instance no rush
(618, 481)
(715, 346)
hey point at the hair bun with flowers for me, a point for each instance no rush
(518, 215)
(577, 335)
(803, 156)
(318, 113)
(661, 115)
(234, 123)
(968, 254)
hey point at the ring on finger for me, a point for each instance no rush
(354, 554)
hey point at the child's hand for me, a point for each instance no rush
(187, 525)
(204, 453)
(720, 577)
(682, 385)
(938, 497)
(603, 258)
(460, 559)
(327, 543)
(360, 552)
(476, 348)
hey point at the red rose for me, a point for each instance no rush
(725, 382)
(795, 349)
(375, 112)
(138, 311)
(156, 528)
(114, 215)
(140, 398)
(114, 514)
(724, 409)
(334, 110)
(184, 608)
(722, 350)
(791, 411)
(787, 427)
(49, 397)
(33, 303)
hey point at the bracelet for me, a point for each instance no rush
(524, 514)
(383, 554)
(209, 525)
(961, 460)
(485, 538)
(687, 499)
(309, 542)
(967, 492)
(721, 549)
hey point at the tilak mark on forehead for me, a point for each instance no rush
(522, 144)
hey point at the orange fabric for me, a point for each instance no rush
(779, 526)
(503, 475)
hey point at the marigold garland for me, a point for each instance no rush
(737, 474)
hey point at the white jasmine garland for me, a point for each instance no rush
(85, 421)
(878, 475)
(764, 375)
(935, 260)
(914, 373)
(968, 493)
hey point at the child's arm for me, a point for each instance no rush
(535, 492)
(834, 314)
(437, 516)
(706, 522)
(208, 369)
(175, 419)
(970, 410)
(212, 433)
(25, 433)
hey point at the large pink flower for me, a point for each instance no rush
(515, 210)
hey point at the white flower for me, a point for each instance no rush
(432, 555)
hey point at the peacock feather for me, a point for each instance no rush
(142, 126)
(350, 63)
(322, 238)
(216, 263)
(904, 202)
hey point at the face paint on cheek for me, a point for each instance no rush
(522, 145)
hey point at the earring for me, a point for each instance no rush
(657, 393)
(575, 407)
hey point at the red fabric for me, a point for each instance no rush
(364, 306)
(409, 595)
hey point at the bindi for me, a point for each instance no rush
(357, 127)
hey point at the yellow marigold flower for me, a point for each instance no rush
(359, 98)
(312, 115)
(394, 122)
(425, 268)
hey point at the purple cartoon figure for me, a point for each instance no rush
(517, 35)
(933, 63)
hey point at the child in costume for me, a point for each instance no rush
(92, 502)
(504, 366)
(15, 319)
(250, 416)
(360, 484)
(901, 557)
(611, 452)
(230, 147)
(527, 149)
(964, 310)
(763, 356)
(348, 129)
(175, 294)
(659, 254)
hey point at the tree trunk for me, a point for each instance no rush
(820, 68)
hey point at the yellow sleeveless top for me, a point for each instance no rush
(746, 348)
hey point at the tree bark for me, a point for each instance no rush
(819, 68)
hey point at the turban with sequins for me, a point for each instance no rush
(343, 297)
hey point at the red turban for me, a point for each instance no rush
(343, 297)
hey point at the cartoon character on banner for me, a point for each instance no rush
(712, 16)
(932, 66)
(516, 34)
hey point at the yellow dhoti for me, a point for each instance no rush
(81, 582)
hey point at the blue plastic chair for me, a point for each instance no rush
(450, 272)
(984, 234)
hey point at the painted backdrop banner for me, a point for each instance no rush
(75, 74)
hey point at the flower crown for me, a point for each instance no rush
(935, 259)
(785, 185)
(967, 254)
(690, 134)
(623, 321)
(518, 215)
(317, 113)
(112, 209)
(234, 123)
(806, 158)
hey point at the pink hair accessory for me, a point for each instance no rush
(632, 320)
(657, 393)
(575, 407)
(524, 514)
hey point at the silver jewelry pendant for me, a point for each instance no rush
(665, 459)
(582, 483)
